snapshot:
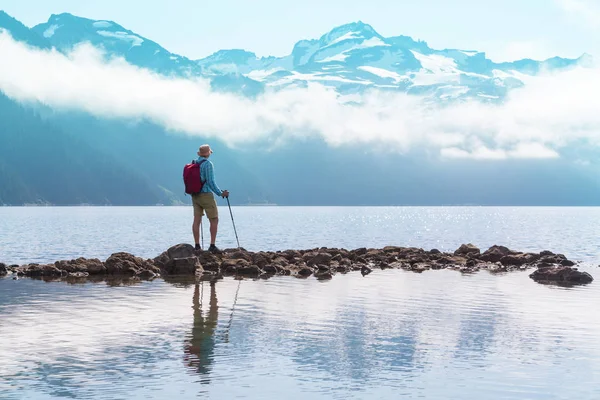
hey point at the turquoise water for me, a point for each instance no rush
(392, 334)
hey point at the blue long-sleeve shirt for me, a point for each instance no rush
(207, 175)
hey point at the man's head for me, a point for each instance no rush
(205, 151)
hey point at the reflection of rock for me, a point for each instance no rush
(561, 275)
(182, 259)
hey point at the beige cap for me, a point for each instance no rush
(204, 150)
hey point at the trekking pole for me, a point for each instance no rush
(236, 235)
(202, 233)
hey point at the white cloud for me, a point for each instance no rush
(587, 10)
(521, 150)
(551, 112)
(519, 50)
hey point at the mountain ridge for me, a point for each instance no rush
(350, 58)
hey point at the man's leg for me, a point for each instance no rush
(196, 228)
(198, 213)
(214, 226)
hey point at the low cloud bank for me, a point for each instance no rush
(551, 112)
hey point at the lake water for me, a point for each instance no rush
(392, 334)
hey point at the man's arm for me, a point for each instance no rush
(210, 179)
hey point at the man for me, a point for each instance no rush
(205, 201)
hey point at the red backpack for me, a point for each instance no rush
(191, 177)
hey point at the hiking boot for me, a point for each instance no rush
(214, 249)
(197, 248)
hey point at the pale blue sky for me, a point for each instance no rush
(505, 29)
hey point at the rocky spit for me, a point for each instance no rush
(322, 263)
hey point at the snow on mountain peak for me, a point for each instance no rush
(48, 33)
(354, 30)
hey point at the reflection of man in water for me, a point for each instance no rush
(200, 347)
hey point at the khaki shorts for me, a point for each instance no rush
(205, 202)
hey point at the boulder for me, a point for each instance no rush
(232, 265)
(305, 272)
(495, 253)
(516, 259)
(184, 266)
(562, 275)
(467, 249)
(260, 259)
(3, 269)
(240, 254)
(319, 258)
(127, 264)
(323, 276)
(181, 259)
(250, 271)
(92, 266)
(37, 270)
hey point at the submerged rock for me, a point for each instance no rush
(561, 275)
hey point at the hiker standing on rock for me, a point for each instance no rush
(204, 201)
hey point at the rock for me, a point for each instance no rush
(495, 253)
(261, 259)
(467, 249)
(359, 252)
(91, 266)
(127, 264)
(250, 270)
(305, 271)
(291, 254)
(445, 260)
(324, 276)
(364, 270)
(435, 251)
(561, 275)
(516, 259)
(3, 269)
(232, 265)
(178, 251)
(567, 263)
(319, 258)
(37, 270)
(272, 269)
(181, 259)
(240, 255)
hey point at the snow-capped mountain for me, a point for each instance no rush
(64, 31)
(354, 57)
(350, 58)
